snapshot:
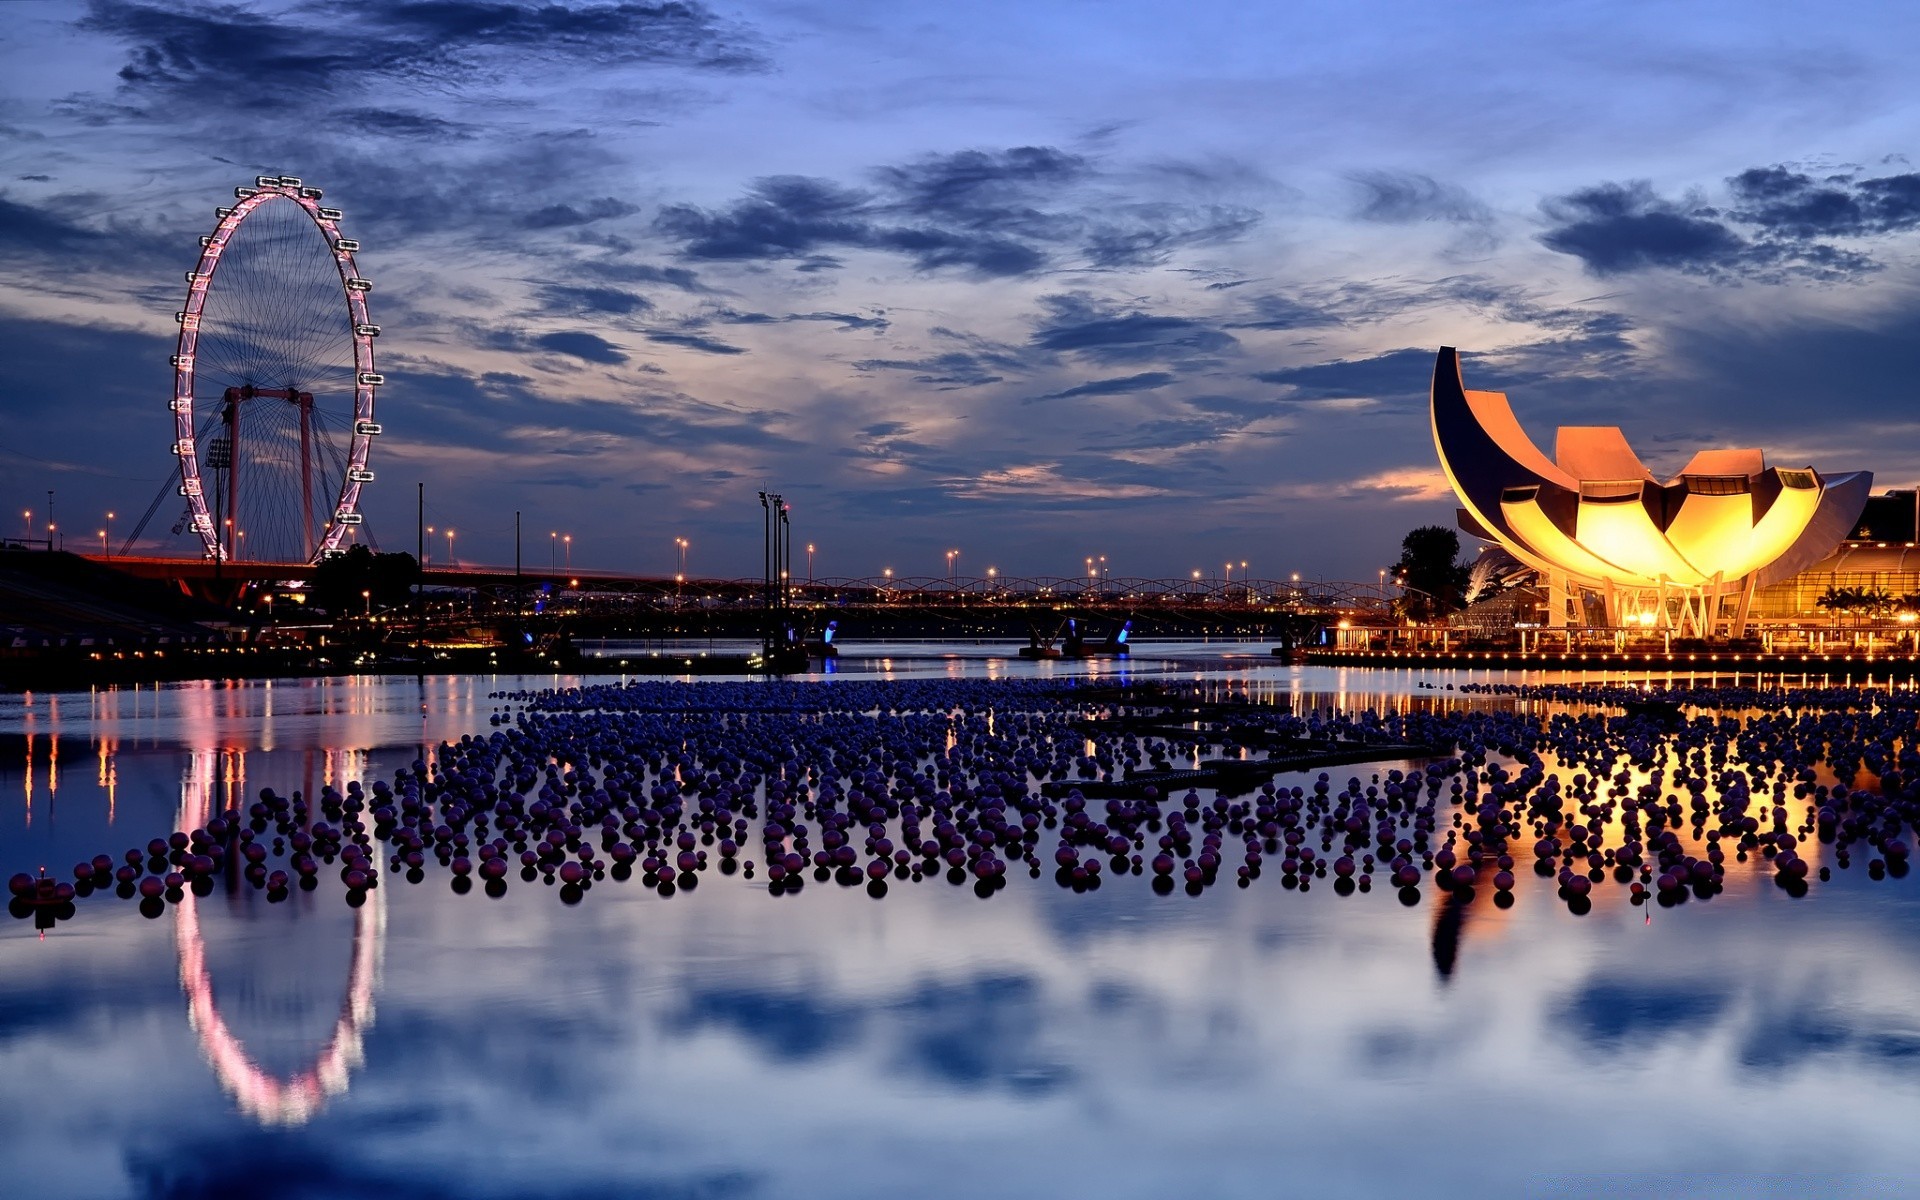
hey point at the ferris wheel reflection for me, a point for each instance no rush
(270, 1098)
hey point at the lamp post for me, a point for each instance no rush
(426, 549)
(451, 560)
(553, 552)
(809, 564)
(103, 543)
(951, 555)
(682, 543)
(107, 550)
(567, 540)
(368, 597)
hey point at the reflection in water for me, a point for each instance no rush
(274, 1101)
(295, 1099)
(1237, 1044)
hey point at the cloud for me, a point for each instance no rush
(846, 321)
(192, 54)
(990, 214)
(574, 301)
(1796, 205)
(402, 123)
(1272, 311)
(1078, 324)
(587, 347)
(621, 271)
(1143, 382)
(692, 341)
(1615, 228)
(590, 347)
(947, 371)
(559, 216)
(1044, 482)
(1406, 198)
(1396, 374)
(1781, 224)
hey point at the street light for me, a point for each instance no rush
(682, 543)
(951, 555)
(553, 552)
(241, 553)
(451, 560)
(103, 543)
(109, 552)
(368, 597)
(809, 564)
(427, 552)
(567, 539)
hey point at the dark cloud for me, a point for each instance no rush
(1397, 373)
(944, 371)
(1614, 228)
(791, 1026)
(25, 227)
(1146, 381)
(1796, 205)
(400, 123)
(794, 217)
(987, 213)
(1609, 1014)
(1272, 311)
(620, 271)
(557, 216)
(1077, 324)
(196, 53)
(1406, 197)
(1774, 231)
(606, 301)
(589, 347)
(692, 341)
(981, 188)
(846, 321)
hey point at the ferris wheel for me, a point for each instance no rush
(274, 381)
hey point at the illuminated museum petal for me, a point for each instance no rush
(1595, 519)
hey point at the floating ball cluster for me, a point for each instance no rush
(874, 784)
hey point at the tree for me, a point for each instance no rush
(1433, 581)
(339, 581)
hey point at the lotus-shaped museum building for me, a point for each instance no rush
(1604, 533)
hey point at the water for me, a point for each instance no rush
(1040, 1043)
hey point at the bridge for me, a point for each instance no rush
(585, 589)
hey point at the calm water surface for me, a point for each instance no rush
(724, 1042)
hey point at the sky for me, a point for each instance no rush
(1151, 281)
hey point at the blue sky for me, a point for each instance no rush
(1152, 281)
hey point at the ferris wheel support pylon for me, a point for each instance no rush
(219, 531)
